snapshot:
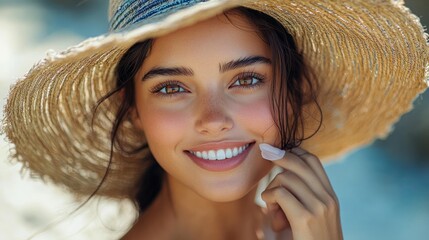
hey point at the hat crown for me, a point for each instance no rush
(123, 13)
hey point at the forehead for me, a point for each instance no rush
(221, 38)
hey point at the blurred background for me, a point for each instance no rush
(383, 188)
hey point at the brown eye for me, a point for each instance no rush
(248, 80)
(170, 89)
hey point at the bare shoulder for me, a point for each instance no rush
(138, 231)
(147, 227)
(151, 224)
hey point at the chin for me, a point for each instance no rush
(227, 194)
(230, 190)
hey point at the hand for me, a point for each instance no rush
(302, 198)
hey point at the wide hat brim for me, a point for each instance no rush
(370, 58)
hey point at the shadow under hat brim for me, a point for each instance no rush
(370, 59)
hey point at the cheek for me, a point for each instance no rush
(163, 127)
(257, 118)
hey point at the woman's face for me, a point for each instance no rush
(202, 101)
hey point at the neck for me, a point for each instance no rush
(190, 216)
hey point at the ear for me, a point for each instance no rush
(135, 118)
(132, 113)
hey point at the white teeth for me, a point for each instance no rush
(212, 155)
(228, 153)
(234, 151)
(220, 154)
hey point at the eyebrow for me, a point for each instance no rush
(243, 62)
(224, 67)
(171, 71)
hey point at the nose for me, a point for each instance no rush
(212, 117)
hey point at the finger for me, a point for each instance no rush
(290, 205)
(316, 165)
(293, 163)
(271, 153)
(278, 218)
(298, 188)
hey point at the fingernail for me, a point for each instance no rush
(271, 153)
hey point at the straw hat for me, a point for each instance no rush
(370, 58)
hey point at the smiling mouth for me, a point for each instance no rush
(220, 154)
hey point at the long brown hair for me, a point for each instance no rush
(293, 86)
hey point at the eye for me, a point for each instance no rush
(248, 80)
(168, 88)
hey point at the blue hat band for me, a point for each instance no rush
(135, 11)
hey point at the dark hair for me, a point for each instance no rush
(293, 86)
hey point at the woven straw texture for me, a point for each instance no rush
(370, 57)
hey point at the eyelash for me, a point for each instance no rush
(242, 76)
(252, 75)
(157, 89)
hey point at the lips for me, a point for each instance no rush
(220, 156)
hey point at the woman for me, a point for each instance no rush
(203, 93)
(206, 96)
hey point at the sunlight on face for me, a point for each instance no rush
(206, 88)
